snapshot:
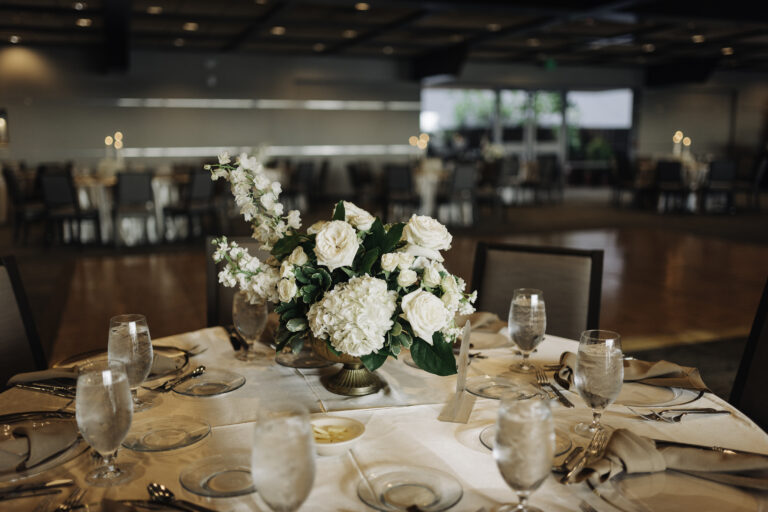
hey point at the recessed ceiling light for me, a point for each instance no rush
(154, 9)
(14, 39)
(318, 47)
(178, 42)
(698, 38)
(277, 30)
(648, 47)
(84, 22)
(388, 50)
(78, 6)
(726, 50)
(190, 26)
(532, 42)
(493, 27)
(349, 34)
(362, 6)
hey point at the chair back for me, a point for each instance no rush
(748, 393)
(200, 186)
(571, 280)
(20, 348)
(58, 190)
(398, 178)
(510, 167)
(305, 175)
(133, 188)
(722, 172)
(669, 171)
(14, 187)
(218, 298)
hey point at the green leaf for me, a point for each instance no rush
(393, 236)
(374, 361)
(286, 245)
(296, 325)
(348, 271)
(396, 329)
(291, 313)
(301, 275)
(395, 349)
(326, 278)
(309, 293)
(339, 213)
(437, 358)
(369, 258)
(376, 236)
(296, 342)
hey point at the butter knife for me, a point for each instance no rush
(27, 489)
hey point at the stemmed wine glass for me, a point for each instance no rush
(104, 410)
(283, 457)
(250, 321)
(527, 323)
(524, 445)
(599, 374)
(130, 343)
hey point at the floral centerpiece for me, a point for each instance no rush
(366, 288)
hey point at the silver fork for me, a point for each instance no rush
(543, 381)
(594, 450)
(650, 416)
(73, 500)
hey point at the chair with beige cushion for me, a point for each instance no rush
(20, 348)
(218, 297)
(571, 280)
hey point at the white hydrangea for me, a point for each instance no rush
(355, 316)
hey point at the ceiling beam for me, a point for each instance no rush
(253, 27)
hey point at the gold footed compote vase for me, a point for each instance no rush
(353, 379)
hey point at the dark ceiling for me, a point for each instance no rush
(729, 35)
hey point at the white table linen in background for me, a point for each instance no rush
(401, 428)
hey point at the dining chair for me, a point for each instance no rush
(748, 392)
(133, 198)
(550, 179)
(218, 298)
(20, 348)
(720, 182)
(198, 204)
(571, 280)
(399, 199)
(461, 195)
(62, 206)
(25, 212)
(669, 182)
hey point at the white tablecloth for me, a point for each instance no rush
(401, 428)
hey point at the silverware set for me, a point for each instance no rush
(674, 415)
(594, 451)
(59, 390)
(73, 501)
(34, 489)
(544, 383)
(172, 383)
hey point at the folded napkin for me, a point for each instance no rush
(660, 373)
(28, 447)
(630, 453)
(482, 321)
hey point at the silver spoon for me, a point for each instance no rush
(161, 494)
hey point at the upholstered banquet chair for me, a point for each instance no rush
(20, 348)
(571, 280)
(748, 393)
(218, 297)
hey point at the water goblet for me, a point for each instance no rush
(250, 320)
(524, 445)
(527, 323)
(599, 374)
(283, 457)
(130, 343)
(104, 410)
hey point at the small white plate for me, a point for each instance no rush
(353, 430)
(398, 488)
(163, 434)
(219, 476)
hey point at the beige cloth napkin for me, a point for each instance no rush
(482, 321)
(660, 373)
(627, 452)
(27, 447)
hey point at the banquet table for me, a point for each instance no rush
(401, 429)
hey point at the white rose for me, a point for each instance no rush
(316, 227)
(451, 301)
(287, 289)
(431, 276)
(421, 252)
(358, 217)
(389, 262)
(336, 245)
(428, 233)
(407, 278)
(405, 260)
(294, 219)
(298, 256)
(425, 312)
(448, 284)
(286, 269)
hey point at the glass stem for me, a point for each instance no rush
(522, 497)
(108, 461)
(524, 363)
(135, 394)
(595, 420)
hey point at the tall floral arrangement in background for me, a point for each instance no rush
(366, 288)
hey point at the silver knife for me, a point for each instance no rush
(561, 397)
(28, 494)
(53, 484)
(31, 415)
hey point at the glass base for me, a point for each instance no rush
(106, 476)
(517, 508)
(585, 429)
(252, 355)
(143, 403)
(305, 358)
(522, 368)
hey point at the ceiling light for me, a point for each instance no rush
(318, 47)
(108, 140)
(698, 38)
(154, 9)
(493, 27)
(388, 50)
(649, 47)
(277, 30)
(362, 6)
(533, 42)
(84, 22)
(78, 6)
(178, 42)
(118, 144)
(14, 39)
(413, 140)
(686, 141)
(118, 135)
(726, 50)
(349, 34)
(190, 26)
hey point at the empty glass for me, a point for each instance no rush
(527, 323)
(250, 321)
(130, 343)
(283, 458)
(524, 445)
(104, 410)
(599, 374)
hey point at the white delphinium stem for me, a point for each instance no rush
(248, 273)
